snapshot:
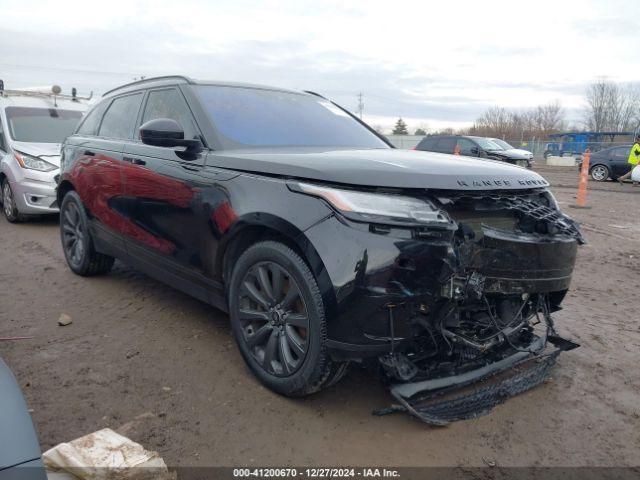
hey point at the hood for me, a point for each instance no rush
(520, 152)
(392, 168)
(47, 151)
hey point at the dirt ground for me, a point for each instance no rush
(163, 369)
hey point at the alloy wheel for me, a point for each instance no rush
(74, 237)
(599, 173)
(7, 200)
(274, 318)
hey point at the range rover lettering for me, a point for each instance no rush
(326, 246)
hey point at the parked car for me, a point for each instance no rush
(470, 146)
(324, 243)
(611, 163)
(19, 449)
(33, 125)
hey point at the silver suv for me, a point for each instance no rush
(33, 124)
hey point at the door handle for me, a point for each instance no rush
(89, 153)
(134, 161)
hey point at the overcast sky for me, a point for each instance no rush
(433, 63)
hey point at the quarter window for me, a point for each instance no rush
(170, 104)
(91, 122)
(121, 117)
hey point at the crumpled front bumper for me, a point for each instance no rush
(475, 393)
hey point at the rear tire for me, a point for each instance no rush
(600, 173)
(77, 243)
(9, 206)
(278, 320)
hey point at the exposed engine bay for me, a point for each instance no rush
(513, 258)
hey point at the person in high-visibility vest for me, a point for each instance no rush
(634, 158)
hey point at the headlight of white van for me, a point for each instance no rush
(33, 163)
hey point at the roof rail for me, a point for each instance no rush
(151, 79)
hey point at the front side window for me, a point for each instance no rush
(254, 117)
(41, 125)
(170, 104)
(121, 117)
(90, 124)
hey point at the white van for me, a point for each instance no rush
(33, 124)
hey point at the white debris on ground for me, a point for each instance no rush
(104, 455)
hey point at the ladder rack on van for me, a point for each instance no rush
(54, 93)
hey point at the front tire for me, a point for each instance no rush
(77, 243)
(278, 320)
(9, 206)
(600, 173)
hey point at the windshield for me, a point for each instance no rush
(487, 143)
(41, 125)
(253, 117)
(502, 143)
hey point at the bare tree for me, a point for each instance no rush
(518, 124)
(612, 106)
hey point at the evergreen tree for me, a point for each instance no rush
(400, 128)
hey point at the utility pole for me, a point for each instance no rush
(360, 105)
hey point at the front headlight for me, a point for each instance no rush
(376, 207)
(33, 163)
(553, 203)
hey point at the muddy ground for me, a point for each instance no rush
(163, 369)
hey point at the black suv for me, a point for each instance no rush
(470, 146)
(324, 243)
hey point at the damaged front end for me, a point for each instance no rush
(486, 333)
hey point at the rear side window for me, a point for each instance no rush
(3, 146)
(428, 144)
(446, 145)
(621, 152)
(466, 146)
(92, 119)
(121, 117)
(170, 104)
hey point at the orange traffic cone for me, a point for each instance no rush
(456, 149)
(581, 198)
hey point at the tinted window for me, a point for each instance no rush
(121, 117)
(621, 152)
(446, 145)
(170, 104)
(427, 144)
(465, 146)
(3, 146)
(258, 117)
(90, 124)
(46, 125)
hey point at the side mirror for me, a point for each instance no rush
(475, 151)
(166, 132)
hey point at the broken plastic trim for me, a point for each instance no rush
(523, 371)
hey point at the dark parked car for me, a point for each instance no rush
(324, 243)
(609, 163)
(480, 147)
(19, 448)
